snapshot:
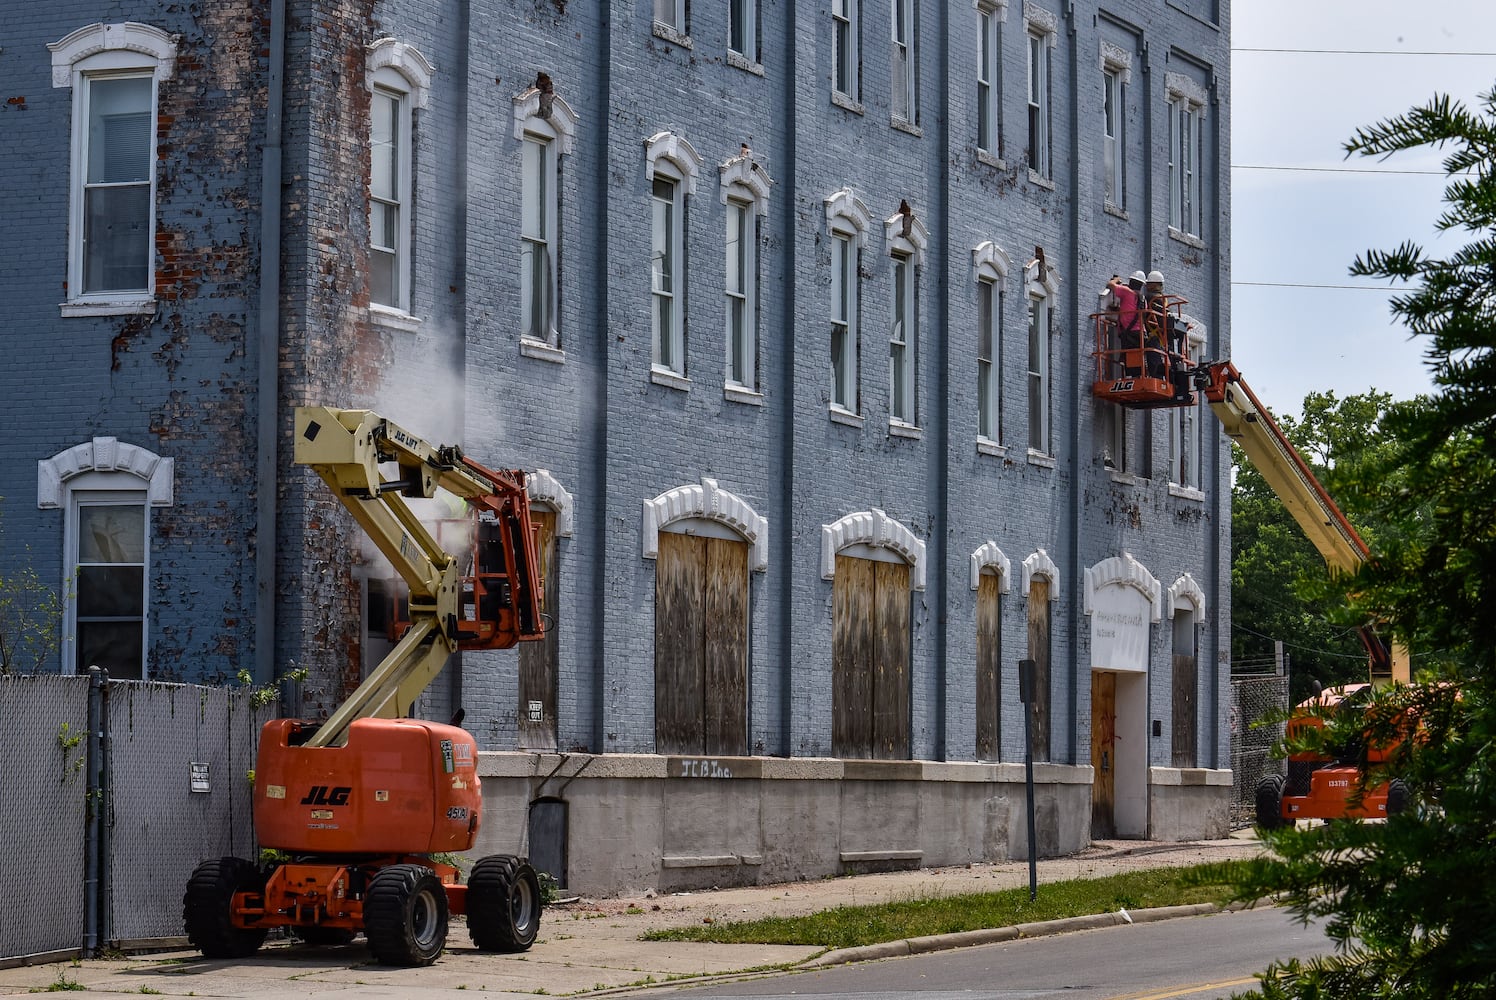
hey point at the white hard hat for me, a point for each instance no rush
(1137, 276)
(1156, 276)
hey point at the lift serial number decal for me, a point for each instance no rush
(457, 813)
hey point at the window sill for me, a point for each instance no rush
(741, 394)
(903, 125)
(986, 446)
(669, 34)
(1043, 182)
(393, 319)
(108, 307)
(1186, 492)
(1043, 461)
(669, 379)
(1111, 209)
(1125, 478)
(846, 102)
(742, 62)
(541, 351)
(844, 417)
(1188, 239)
(899, 429)
(996, 162)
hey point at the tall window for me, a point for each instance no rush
(1184, 166)
(537, 249)
(988, 106)
(742, 28)
(1038, 104)
(989, 359)
(1112, 145)
(844, 32)
(905, 62)
(903, 342)
(671, 14)
(845, 290)
(665, 267)
(1038, 374)
(1184, 447)
(113, 71)
(741, 294)
(109, 560)
(399, 78)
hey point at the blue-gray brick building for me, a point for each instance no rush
(785, 305)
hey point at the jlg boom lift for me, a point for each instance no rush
(364, 803)
(1149, 377)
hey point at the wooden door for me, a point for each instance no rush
(870, 659)
(989, 661)
(1103, 754)
(1186, 696)
(539, 660)
(1038, 646)
(701, 645)
(891, 670)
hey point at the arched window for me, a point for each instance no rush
(990, 266)
(906, 238)
(670, 165)
(399, 81)
(847, 225)
(114, 71)
(745, 194)
(545, 126)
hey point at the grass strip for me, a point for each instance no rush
(916, 916)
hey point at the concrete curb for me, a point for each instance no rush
(996, 935)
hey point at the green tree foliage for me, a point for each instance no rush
(1280, 586)
(1410, 902)
(30, 613)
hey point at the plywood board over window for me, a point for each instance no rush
(1186, 698)
(1038, 644)
(701, 645)
(989, 660)
(539, 660)
(870, 659)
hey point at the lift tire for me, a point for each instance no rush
(324, 937)
(1269, 802)
(503, 903)
(1397, 797)
(405, 916)
(207, 908)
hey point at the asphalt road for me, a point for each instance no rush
(1195, 959)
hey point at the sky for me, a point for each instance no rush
(1304, 226)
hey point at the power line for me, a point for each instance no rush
(1365, 52)
(1301, 284)
(1335, 170)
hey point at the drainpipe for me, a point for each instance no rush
(784, 562)
(268, 380)
(1077, 384)
(1220, 455)
(939, 454)
(91, 893)
(105, 809)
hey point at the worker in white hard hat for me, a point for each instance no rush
(1126, 305)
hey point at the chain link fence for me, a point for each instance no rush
(1254, 697)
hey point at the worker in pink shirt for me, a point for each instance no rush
(1127, 300)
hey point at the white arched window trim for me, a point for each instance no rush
(992, 262)
(545, 488)
(709, 502)
(560, 124)
(1045, 285)
(1038, 563)
(58, 474)
(148, 47)
(1125, 571)
(846, 214)
(988, 558)
(1185, 594)
(747, 181)
(406, 60)
(877, 530)
(676, 150)
(911, 242)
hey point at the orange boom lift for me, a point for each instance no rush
(1148, 377)
(362, 801)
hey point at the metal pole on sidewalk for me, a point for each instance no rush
(1026, 695)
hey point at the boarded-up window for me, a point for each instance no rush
(538, 660)
(1038, 651)
(1186, 696)
(870, 659)
(701, 645)
(989, 660)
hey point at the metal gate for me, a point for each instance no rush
(1253, 698)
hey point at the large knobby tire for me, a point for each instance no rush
(503, 904)
(1397, 797)
(1269, 802)
(207, 908)
(405, 916)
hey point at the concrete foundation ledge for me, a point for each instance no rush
(1182, 776)
(700, 861)
(861, 857)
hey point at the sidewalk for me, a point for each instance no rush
(592, 946)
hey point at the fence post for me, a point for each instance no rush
(91, 892)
